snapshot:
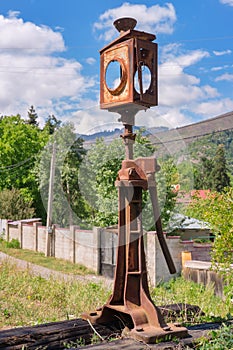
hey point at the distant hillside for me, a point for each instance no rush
(174, 140)
(92, 137)
(110, 135)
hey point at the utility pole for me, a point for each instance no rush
(50, 203)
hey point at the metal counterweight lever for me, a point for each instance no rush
(150, 167)
(158, 224)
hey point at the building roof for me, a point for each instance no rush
(179, 221)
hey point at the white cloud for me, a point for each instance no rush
(215, 69)
(212, 108)
(226, 77)
(31, 75)
(176, 87)
(91, 60)
(36, 74)
(92, 120)
(227, 2)
(170, 117)
(221, 53)
(154, 19)
(13, 14)
(18, 36)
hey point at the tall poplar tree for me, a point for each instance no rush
(219, 175)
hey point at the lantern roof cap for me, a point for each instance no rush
(126, 27)
(125, 23)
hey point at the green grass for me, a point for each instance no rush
(180, 290)
(28, 300)
(219, 339)
(40, 259)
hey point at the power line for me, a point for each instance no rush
(189, 137)
(66, 48)
(17, 165)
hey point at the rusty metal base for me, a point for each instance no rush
(150, 334)
(145, 332)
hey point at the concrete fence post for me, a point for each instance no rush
(151, 257)
(7, 232)
(35, 232)
(72, 234)
(20, 234)
(97, 246)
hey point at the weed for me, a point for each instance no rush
(35, 300)
(14, 244)
(180, 290)
(219, 339)
(72, 344)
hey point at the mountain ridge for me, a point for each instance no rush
(162, 135)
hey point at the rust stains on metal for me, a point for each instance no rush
(130, 301)
(136, 54)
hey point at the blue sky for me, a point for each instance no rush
(49, 58)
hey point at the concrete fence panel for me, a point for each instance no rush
(92, 248)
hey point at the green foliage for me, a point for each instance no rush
(52, 124)
(212, 173)
(206, 148)
(217, 210)
(32, 117)
(167, 177)
(202, 174)
(180, 290)
(98, 174)
(220, 178)
(68, 205)
(20, 143)
(15, 206)
(14, 244)
(220, 339)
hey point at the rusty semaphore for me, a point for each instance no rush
(134, 54)
(129, 88)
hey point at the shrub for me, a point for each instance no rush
(14, 243)
(14, 205)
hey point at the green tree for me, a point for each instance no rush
(52, 124)
(20, 144)
(202, 174)
(32, 117)
(167, 177)
(219, 174)
(14, 206)
(98, 174)
(68, 204)
(217, 210)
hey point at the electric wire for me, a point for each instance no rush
(61, 149)
(188, 137)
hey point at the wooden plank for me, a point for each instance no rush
(199, 265)
(54, 335)
(195, 332)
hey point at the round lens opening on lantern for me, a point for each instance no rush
(146, 79)
(115, 77)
